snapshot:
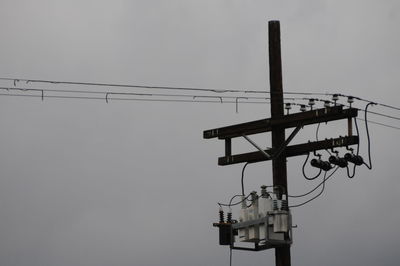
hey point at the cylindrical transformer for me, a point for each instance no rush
(281, 222)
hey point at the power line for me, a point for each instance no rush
(154, 100)
(16, 80)
(368, 101)
(363, 110)
(125, 99)
(108, 93)
(140, 86)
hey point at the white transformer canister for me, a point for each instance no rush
(264, 206)
(253, 215)
(281, 221)
(243, 233)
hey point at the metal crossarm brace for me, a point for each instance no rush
(267, 155)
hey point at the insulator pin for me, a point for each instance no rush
(335, 98)
(288, 106)
(221, 215)
(311, 102)
(229, 218)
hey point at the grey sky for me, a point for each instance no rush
(133, 183)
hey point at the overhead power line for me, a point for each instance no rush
(124, 99)
(214, 90)
(140, 86)
(111, 95)
(194, 98)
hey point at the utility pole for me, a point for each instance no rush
(278, 238)
(279, 168)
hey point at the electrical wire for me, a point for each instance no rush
(127, 99)
(242, 179)
(369, 101)
(106, 93)
(320, 193)
(380, 124)
(363, 110)
(131, 93)
(99, 84)
(236, 203)
(358, 152)
(312, 190)
(139, 86)
(303, 170)
(368, 137)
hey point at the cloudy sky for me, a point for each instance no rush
(83, 182)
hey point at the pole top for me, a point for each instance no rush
(274, 22)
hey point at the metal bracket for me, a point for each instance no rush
(281, 148)
(287, 141)
(258, 148)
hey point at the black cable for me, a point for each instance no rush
(368, 101)
(381, 124)
(311, 191)
(317, 131)
(358, 152)
(230, 201)
(348, 171)
(320, 193)
(126, 99)
(234, 204)
(125, 93)
(107, 93)
(27, 81)
(152, 100)
(242, 179)
(346, 105)
(368, 137)
(137, 86)
(304, 173)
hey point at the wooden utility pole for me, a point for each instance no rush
(279, 169)
(280, 150)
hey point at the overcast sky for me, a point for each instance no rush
(86, 183)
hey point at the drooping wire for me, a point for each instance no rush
(320, 193)
(42, 96)
(368, 137)
(27, 81)
(312, 190)
(304, 173)
(358, 151)
(138, 86)
(128, 99)
(242, 179)
(236, 203)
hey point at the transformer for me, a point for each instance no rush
(266, 223)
